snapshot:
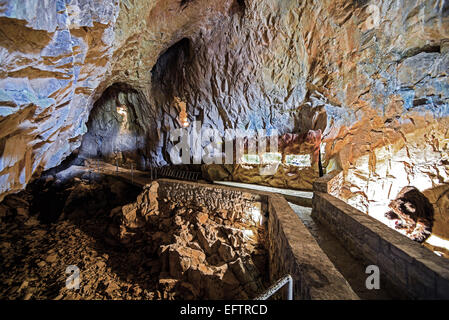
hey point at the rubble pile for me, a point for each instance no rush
(148, 249)
(197, 254)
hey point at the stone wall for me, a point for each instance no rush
(292, 249)
(200, 247)
(404, 265)
(376, 71)
(253, 206)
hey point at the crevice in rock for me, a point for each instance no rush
(426, 49)
(239, 6)
(15, 35)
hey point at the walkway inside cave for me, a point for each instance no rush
(351, 268)
(301, 202)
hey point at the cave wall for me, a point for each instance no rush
(378, 69)
(117, 127)
(54, 55)
(243, 72)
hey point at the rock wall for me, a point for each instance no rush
(54, 55)
(390, 77)
(406, 267)
(372, 75)
(208, 243)
(277, 168)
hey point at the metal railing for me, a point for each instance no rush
(278, 285)
(152, 173)
(167, 172)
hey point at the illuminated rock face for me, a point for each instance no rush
(53, 57)
(372, 75)
(293, 164)
(116, 131)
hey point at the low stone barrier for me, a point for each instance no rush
(292, 249)
(405, 265)
(251, 208)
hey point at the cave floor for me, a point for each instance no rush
(35, 257)
(37, 247)
(306, 195)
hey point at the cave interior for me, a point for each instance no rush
(193, 149)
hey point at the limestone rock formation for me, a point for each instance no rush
(52, 225)
(198, 254)
(372, 75)
(413, 213)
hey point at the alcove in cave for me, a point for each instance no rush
(117, 128)
(167, 74)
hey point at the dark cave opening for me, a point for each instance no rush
(168, 73)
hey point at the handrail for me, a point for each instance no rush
(276, 286)
(167, 172)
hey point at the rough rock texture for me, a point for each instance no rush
(116, 128)
(413, 212)
(375, 72)
(276, 172)
(50, 226)
(198, 254)
(439, 197)
(286, 176)
(54, 55)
